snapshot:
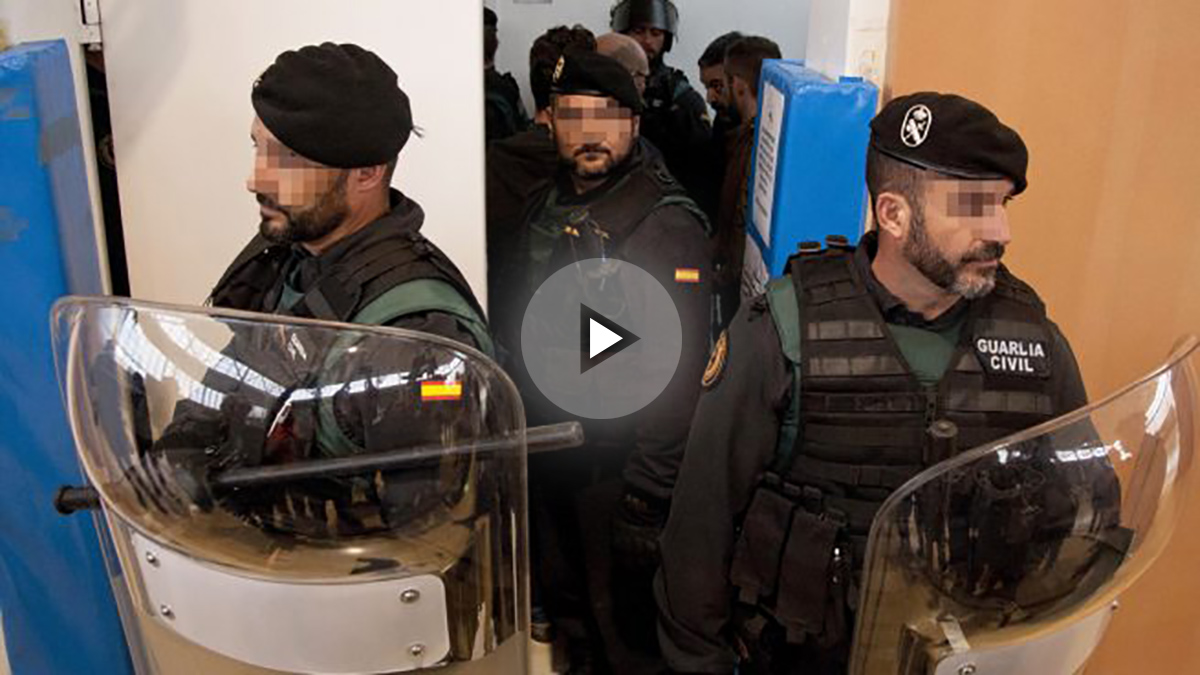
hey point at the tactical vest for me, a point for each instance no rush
(665, 87)
(599, 228)
(502, 102)
(859, 425)
(389, 274)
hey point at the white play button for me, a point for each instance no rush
(600, 338)
(600, 363)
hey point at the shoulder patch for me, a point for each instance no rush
(716, 361)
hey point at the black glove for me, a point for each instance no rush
(169, 488)
(637, 524)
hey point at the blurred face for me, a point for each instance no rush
(717, 93)
(740, 96)
(299, 200)
(957, 239)
(640, 77)
(594, 134)
(651, 39)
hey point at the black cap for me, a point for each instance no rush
(339, 105)
(951, 135)
(490, 20)
(592, 74)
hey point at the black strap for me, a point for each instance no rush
(345, 288)
(642, 192)
(855, 475)
(240, 285)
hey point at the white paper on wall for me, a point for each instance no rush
(766, 157)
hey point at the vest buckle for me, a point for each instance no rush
(809, 247)
(838, 241)
(812, 499)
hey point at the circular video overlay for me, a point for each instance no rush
(601, 338)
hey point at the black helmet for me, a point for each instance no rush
(660, 14)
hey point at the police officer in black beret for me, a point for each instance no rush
(336, 242)
(597, 512)
(860, 368)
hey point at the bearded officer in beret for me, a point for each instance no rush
(863, 366)
(612, 198)
(336, 242)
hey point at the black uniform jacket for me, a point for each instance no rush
(671, 240)
(732, 441)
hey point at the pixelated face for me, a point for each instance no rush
(299, 200)
(959, 234)
(717, 94)
(651, 39)
(594, 133)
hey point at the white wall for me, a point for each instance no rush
(849, 37)
(700, 21)
(33, 20)
(179, 75)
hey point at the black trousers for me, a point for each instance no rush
(593, 598)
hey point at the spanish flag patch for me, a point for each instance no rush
(687, 275)
(433, 390)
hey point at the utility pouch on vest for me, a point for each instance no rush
(812, 595)
(759, 549)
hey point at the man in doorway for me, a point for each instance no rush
(725, 121)
(521, 164)
(504, 113)
(712, 76)
(626, 51)
(743, 71)
(611, 200)
(675, 119)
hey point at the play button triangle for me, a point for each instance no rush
(600, 338)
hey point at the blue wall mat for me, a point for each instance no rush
(59, 614)
(812, 139)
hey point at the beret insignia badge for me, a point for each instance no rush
(915, 128)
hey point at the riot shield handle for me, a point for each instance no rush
(69, 499)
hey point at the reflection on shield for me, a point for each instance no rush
(299, 496)
(1010, 558)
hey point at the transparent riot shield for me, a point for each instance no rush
(298, 496)
(1011, 558)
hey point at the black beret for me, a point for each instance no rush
(339, 105)
(490, 20)
(951, 135)
(592, 74)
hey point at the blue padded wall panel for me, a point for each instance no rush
(59, 615)
(819, 163)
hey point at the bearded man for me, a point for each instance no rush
(336, 242)
(613, 198)
(853, 373)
